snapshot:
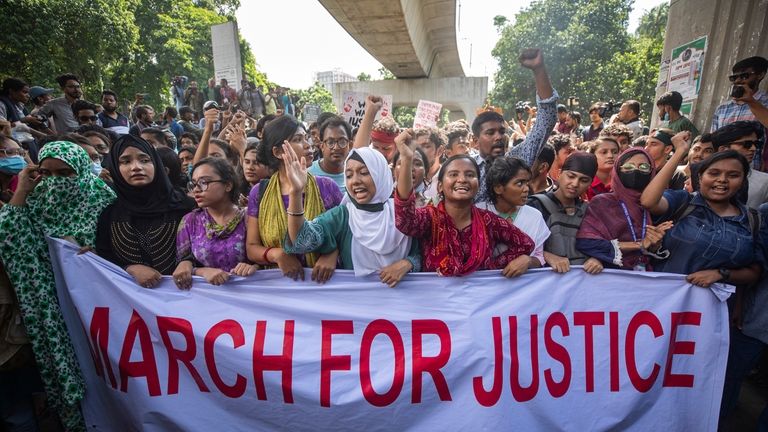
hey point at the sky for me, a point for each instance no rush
(291, 59)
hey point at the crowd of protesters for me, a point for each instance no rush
(224, 183)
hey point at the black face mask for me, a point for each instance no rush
(635, 179)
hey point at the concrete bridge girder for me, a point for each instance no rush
(464, 94)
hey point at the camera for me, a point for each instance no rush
(210, 105)
(737, 91)
(521, 107)
(608, 108)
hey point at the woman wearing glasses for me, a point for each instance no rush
(138, 231)
(616, 230)
(211, 239)
(267, 203)
(334, 143)
(12, 161)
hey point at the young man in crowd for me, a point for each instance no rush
(60, 108)
(562, 120)
(573, 121)
(212, 92)
(540, 178)
(39, 96)
(659, 146)
(620, 132)
(145, 118)
(668, 106)
(432, 141)
(85, 113)
(228, 94)
(187, 121)
(701, 148)
(335, 145)
(747, 102)
(595, 117)
(561, 144)
(629, 115)
(170, 123)
(110, 118)
(488, 128)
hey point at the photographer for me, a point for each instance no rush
(194, 99)
(747, 101)
(177, 90)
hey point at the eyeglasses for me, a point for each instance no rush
(12, 152)
(341, 143)
(742, 76)
(88, 118)
(202, 184)
(746, 144)
(643, 167)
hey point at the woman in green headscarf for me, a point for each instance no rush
(59, 198)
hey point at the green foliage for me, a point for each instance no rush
(363, 77)
(317, 95)
(404, 116)
(386, 74)
(577, 37)
(129, 46)
(499, 21)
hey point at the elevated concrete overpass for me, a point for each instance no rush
(416, 41)
(411, 38)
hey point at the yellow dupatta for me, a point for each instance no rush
(273, 221)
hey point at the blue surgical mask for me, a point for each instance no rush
(96, 168)
(12, 165)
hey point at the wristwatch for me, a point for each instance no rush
(725, 274)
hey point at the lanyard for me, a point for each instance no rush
(629, 222)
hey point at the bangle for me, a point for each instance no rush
(264, 257)
(290, 213)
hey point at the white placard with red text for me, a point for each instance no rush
(617, 351)
(427, 114)
(353, 107)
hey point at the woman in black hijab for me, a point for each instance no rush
(138, 231)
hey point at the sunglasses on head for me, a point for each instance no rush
(742, 76)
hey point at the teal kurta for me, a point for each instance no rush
(330, 231)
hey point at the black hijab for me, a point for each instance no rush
(154, 199)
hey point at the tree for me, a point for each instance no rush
(577, 37)
(386, 74)
(362, 76)
(499, 21)
(317, 95)
(633, 74)
(128, 46)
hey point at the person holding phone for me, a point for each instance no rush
(747, 101)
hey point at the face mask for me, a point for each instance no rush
(635, 179)
(96, 168)
(12, 165)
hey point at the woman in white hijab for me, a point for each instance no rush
(362, 228)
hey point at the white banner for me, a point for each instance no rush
(617, 351)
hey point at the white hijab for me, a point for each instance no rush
(376, 241)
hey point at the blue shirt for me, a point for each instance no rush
(339, 178)
(702, 240)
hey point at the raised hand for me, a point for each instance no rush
(373, 103)
(531, 58)
(295, 168)
(681, 142)
(403, 141)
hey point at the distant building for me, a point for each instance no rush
(327, 78)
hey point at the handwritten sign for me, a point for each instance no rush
(427, 114)
(353, 107)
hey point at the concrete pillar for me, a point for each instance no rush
(735, 29)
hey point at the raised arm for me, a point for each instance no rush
(372, 106)
(546, 108)
(652, 198)
(211, 117)
(296, 171)
(405, 179)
